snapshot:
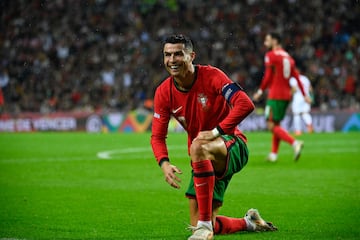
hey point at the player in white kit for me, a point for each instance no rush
(300, 108)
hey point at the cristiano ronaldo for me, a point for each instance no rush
(209, 106)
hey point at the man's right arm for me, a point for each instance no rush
(268, 74)
(160, 124)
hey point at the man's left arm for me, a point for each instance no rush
(241, 107)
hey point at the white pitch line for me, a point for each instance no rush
(110, 154)
(124, 151)
(145, 153)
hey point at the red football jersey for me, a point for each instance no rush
(279, 68)
(204, 107)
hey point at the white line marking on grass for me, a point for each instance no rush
(108, 154)
(125, 151)
(146, 153)
(129, 152)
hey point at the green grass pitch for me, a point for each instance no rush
(108, 186)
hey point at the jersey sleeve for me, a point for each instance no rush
(241, 107)
(240, 104)
(160, 124)
(268, 74)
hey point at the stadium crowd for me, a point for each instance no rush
(98, 55)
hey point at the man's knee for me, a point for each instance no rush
(197, 151)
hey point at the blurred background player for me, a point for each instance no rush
(209, 106)
(279, 67)
(4, 80)
(299, 106)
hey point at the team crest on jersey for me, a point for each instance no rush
(203, 100)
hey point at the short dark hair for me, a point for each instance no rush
(276, 36)
(180, 38)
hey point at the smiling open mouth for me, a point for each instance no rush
(174, 67)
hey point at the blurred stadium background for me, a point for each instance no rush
(93, 65)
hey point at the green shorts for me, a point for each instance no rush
(275, 110)
(236, 159)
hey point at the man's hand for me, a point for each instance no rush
(170, 174)
(257, 95)
(207, 135)
(308, 99)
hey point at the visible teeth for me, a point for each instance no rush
(174, 67)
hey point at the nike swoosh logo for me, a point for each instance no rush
(200, 184)
(176, 110)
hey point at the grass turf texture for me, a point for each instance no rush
(54, 186)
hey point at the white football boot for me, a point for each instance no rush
(257, 224)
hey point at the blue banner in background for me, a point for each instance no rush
(353, 124)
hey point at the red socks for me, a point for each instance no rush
(226, 225)
(282, 134)
(275, 144)
(204, 182)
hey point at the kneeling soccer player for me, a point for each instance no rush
(209, 106)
